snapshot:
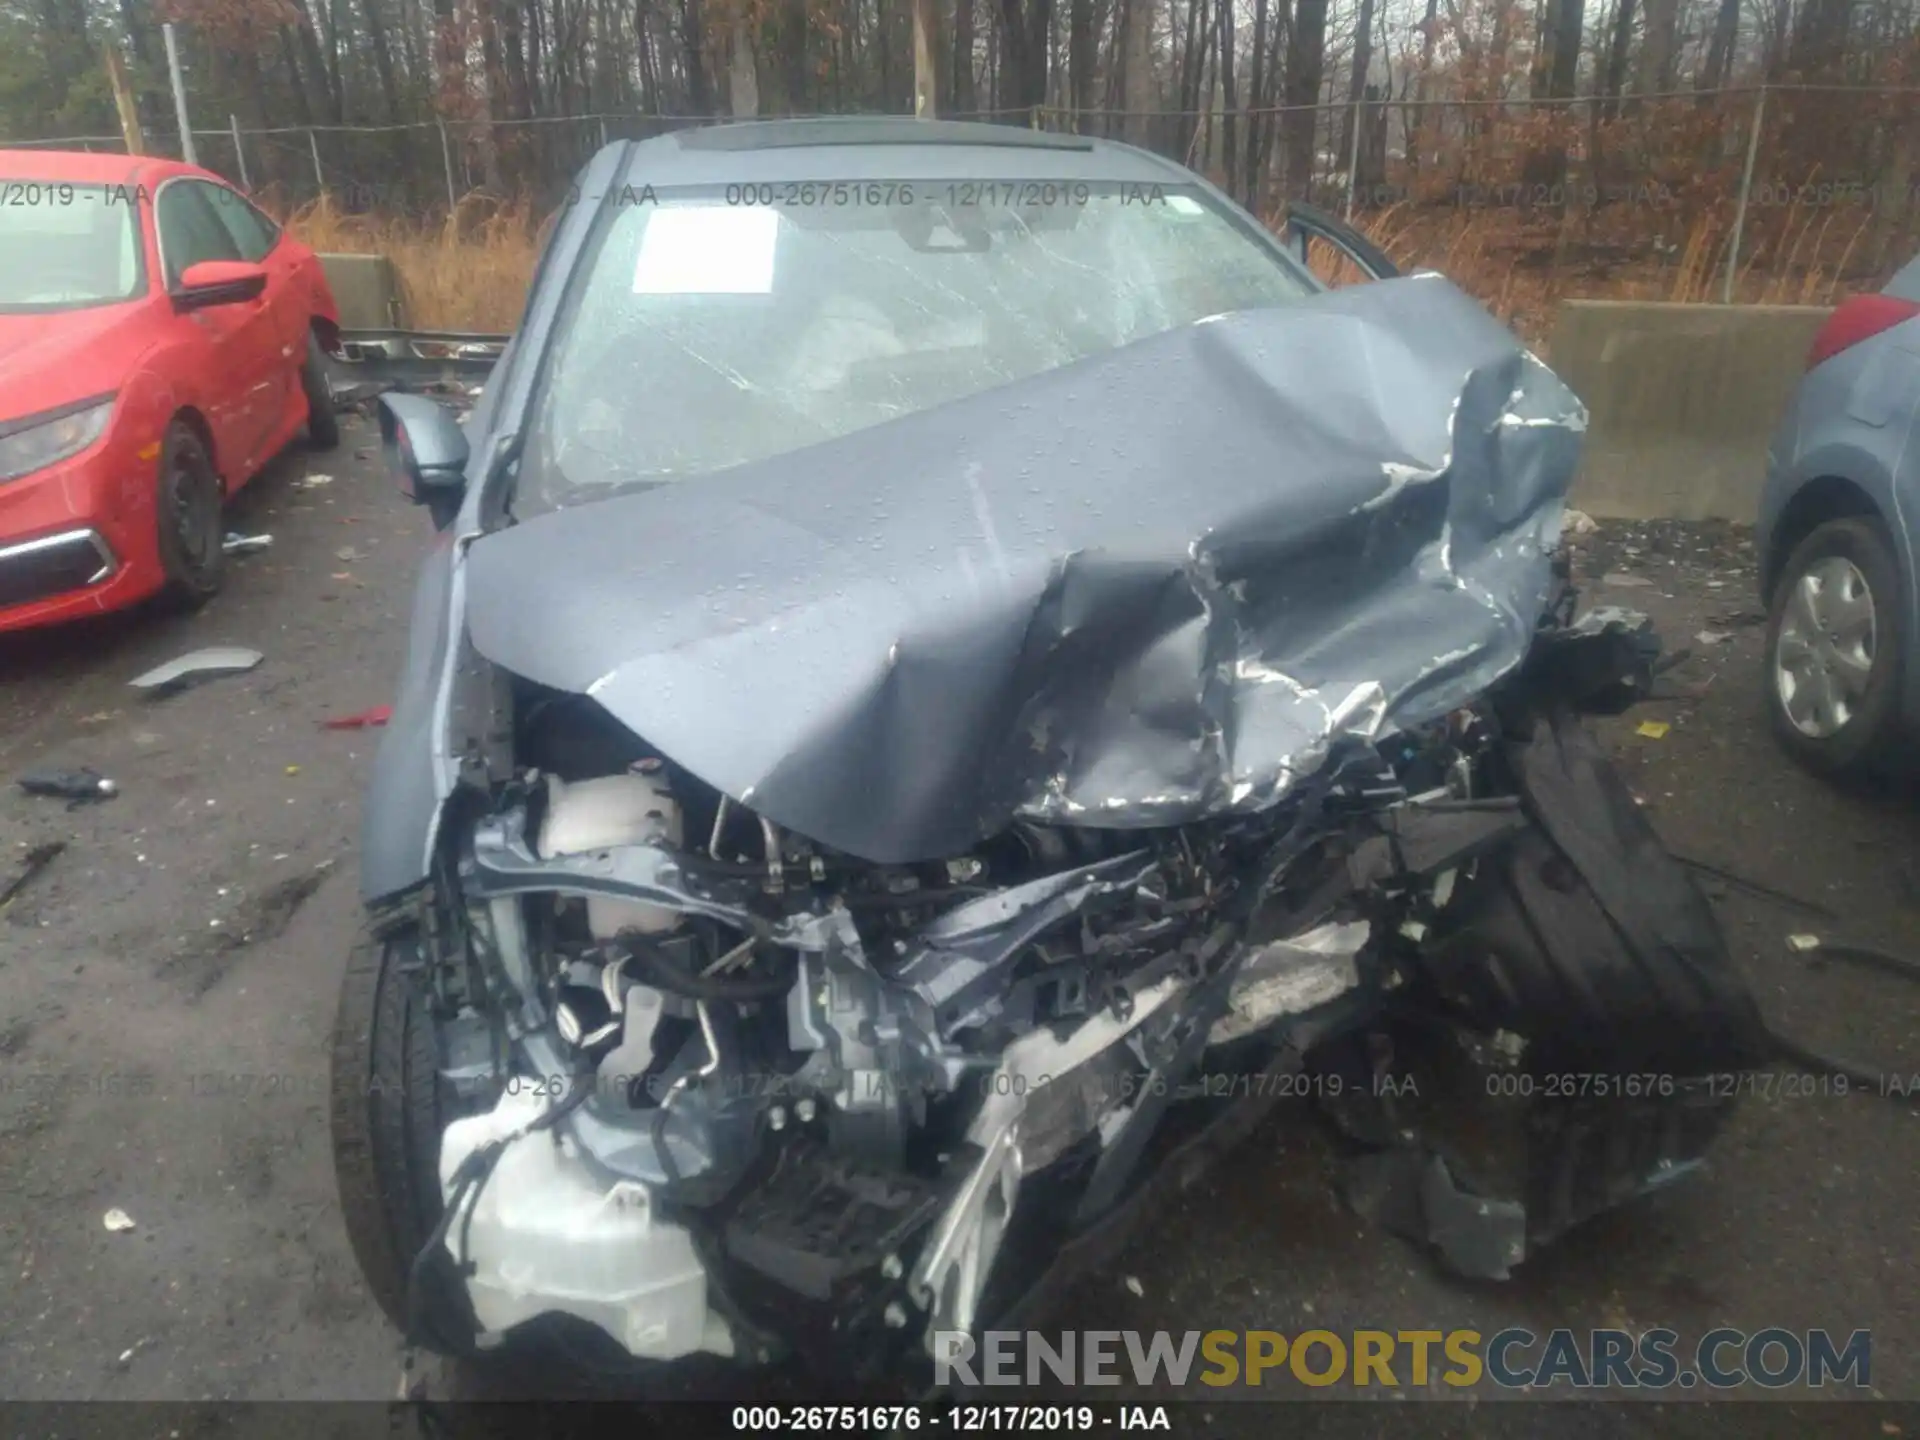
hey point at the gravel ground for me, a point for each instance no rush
(168, 983)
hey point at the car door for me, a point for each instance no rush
(1338, 254)
(236, 341)
(286, 299)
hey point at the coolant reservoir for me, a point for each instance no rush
(628, 809)
(546, 1236)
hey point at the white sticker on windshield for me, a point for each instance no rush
(1186, 205)
(707, 250)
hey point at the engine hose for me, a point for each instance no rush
(1869, 1081)
(665, 975)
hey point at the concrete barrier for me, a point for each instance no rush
(366, 290)
(1681, 400)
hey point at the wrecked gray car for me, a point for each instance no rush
(954, 675)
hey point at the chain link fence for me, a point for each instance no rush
(1760, 192)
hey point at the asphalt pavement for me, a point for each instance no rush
(167, 986)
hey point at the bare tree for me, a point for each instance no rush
(1306, 52)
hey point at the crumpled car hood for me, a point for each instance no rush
(1137, 591)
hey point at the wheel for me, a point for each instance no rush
(323, 425)
(1835, 650)
(187, 519)
(389, 1106)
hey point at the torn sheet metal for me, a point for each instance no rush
(1290, 977)
(1133, 592)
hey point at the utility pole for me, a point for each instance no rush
(179, 96)
(123, 100)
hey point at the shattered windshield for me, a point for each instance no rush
(714, 328)
(65, 245)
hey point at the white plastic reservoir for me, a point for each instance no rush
(546, 1236)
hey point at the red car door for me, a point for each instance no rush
(287, 300)
(240, 344)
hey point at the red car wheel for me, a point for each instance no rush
(187, 516)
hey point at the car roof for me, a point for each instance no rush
(888, 147)
(94, 167)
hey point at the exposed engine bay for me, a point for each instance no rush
(723, 1089)
(820, 906)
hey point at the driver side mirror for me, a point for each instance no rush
(218, 282)
(427, 450)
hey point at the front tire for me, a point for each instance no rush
(1836, 638)
(188, 525)
(323, 424)
(389, 1107)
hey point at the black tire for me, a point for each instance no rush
(389, 1107)
(188, 520)
(1868, 742)
(323, 425)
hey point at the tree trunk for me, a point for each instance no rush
(1136, 87)
(693, 38)
(296, 87)
(1556, 68)
(926, 59)
(1654, 73)
(492, 84)
(514, 58)
(1257, 123)
(1305, 57)
(1357, 80)
(1420, 132)
(1079, 60)
(743, 81)
(382, 59)
(1820, 38)
(1618, 49)
(964, 100)
(1199, 27)
(1025, 30)
(1719, 63)
(1229, 105)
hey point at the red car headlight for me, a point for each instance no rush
(37, 441)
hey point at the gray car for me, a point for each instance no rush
(1836, 542)
(956, 674)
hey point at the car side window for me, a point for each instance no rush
(253, 232)
(190, 229)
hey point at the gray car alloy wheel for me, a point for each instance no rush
(1823, 657)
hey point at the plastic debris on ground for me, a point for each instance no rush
(118, 1220)
(1653, 729)
(312, 482)
(1578, 522)
(197, 665)
(78, 785)
(1803, 942)
(238, 544)
(378, 715)
(1713, 637)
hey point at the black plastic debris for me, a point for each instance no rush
(80, 785)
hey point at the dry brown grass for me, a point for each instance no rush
(470, 271)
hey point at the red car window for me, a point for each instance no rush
(253, 232)
(190, 229)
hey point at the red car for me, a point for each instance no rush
(160, 340)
